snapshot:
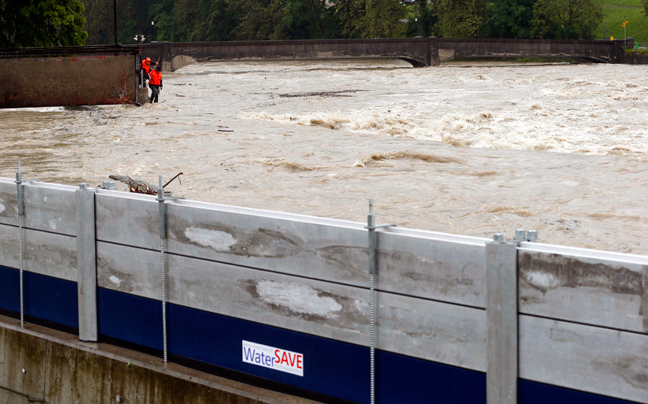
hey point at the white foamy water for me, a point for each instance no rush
(470, 150)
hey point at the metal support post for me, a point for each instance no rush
(373, 271)
(502, 321)
(20, 191)
(87, 264)
(162, 215)
(21, 216)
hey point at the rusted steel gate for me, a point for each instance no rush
(68, 76)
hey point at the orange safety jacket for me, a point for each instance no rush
(156, 78)
(146, 66)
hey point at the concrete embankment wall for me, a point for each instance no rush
(67, 80)
(462, 317)
(41, 365)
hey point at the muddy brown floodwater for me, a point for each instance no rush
(464, 149)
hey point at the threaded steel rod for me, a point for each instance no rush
(164, 319)
(22, 263)
(372, 348)
(371, 227)
(160, 198)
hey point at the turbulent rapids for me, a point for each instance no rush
(466, 149)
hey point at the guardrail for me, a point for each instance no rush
(289, 298)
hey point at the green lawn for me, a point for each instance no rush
(618, 11)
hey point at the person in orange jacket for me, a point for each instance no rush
(155, 83)
(145, 69)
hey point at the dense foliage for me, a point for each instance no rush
(29, 23)
(223, 20)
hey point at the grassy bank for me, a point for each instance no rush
(618, 11)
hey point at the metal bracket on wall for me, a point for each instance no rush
(373, 270)
(161, 198)
(20, 190)
(520, 236)
(502, 320)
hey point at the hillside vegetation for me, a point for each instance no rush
(618, 11)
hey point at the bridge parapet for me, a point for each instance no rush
(600, 51)
(414, 50)
(417, 51)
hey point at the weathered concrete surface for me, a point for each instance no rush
(417, 51)
(421, 264)
(58, 369)
(602, 291)
(414, 50)
(56, 81)
(601, 51)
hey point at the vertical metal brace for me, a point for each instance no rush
(21, 215)
(373, 271)
(20, 191)
(502, 321)
(87, 264)
(162, 216)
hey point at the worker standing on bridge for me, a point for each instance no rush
(155, 83)
(145, 69)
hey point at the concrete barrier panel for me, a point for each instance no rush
(440, 332)
(608, 291)
(44, 253)
(414, 263)
(48, 207)
(596, 360)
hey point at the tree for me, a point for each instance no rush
(383, 19)
(567, 19)
(424, 19)
(304, 19)
(217, 21)
(352, 17)
(509, 19)
(261, 20)
(460, 18)
(31, 23)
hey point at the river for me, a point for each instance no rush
(470, 149)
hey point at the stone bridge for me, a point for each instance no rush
(91, 75)
(419, 52)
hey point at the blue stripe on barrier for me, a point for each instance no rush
(45, 298)
(330, 367)
(129, 318)
(530, 392)
(10, 293)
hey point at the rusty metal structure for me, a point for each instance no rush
(68, 76)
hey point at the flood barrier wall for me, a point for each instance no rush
(286, 298)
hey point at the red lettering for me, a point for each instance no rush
(284, 358)
(292, 359)
(277, 360)
(299, 362)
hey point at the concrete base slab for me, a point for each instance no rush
(7, 396)
(52, 367)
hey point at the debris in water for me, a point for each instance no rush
(141, 186)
